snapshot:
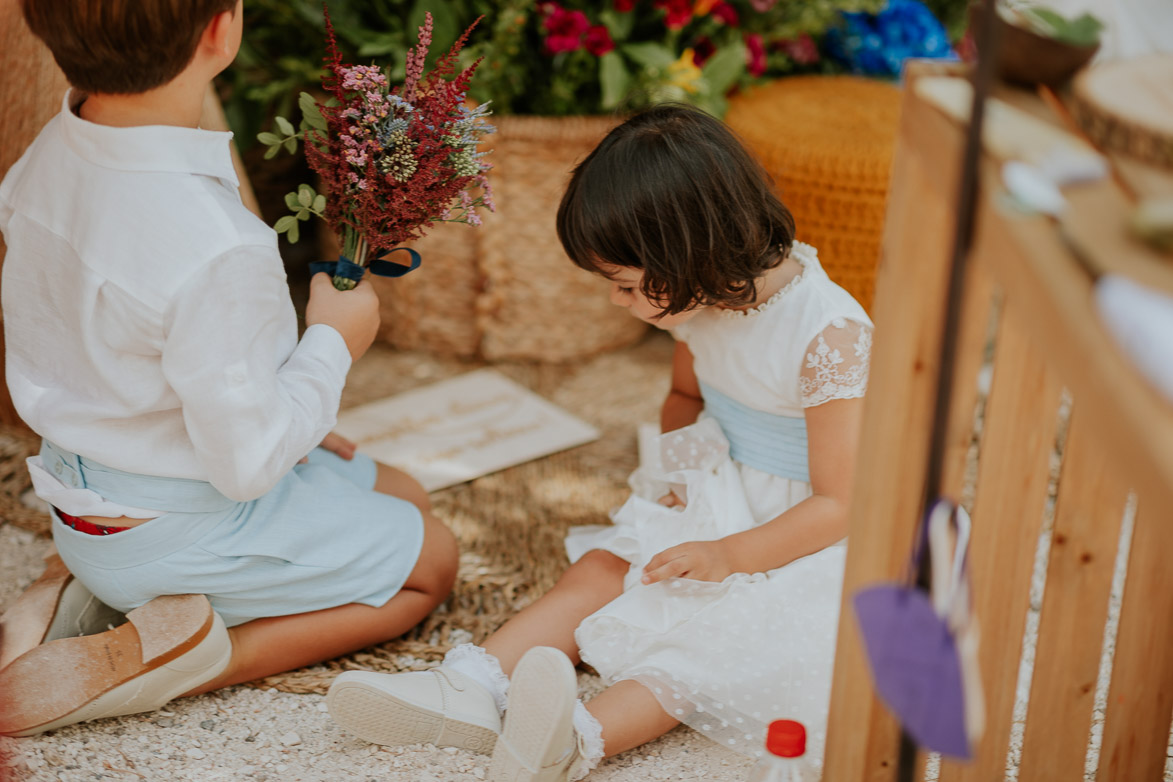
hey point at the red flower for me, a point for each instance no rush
(565, 28)
(726, 13)
(702, 51)
(598, 40)
(801, 49)
(755, 54)
(678, 12)
(623, 6)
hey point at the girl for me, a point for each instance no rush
(713, 599)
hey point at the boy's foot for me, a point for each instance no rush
(56, 605)
(167, 647)
(539, 743)
(438, 706)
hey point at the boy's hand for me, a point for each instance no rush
(354, 313)
(703, 560)
(339, 445)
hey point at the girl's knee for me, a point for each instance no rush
(598, 562)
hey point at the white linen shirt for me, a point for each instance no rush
(147, 317)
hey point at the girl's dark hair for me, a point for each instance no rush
(673, 192)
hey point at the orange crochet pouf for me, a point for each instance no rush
(827, 141)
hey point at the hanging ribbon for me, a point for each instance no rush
(346, 269)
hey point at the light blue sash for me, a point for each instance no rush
(771, 443)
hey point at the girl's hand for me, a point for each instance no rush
(339, 445)
(705, 560)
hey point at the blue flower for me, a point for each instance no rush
(878, 44)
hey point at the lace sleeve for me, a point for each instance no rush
(836, 363)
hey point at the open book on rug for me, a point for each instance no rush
(462, 428)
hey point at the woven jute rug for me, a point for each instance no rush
(510, 524)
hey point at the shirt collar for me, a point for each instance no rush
(159, 148)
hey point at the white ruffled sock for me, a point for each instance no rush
(483, 668)
(589, 735)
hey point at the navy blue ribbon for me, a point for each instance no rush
(348, 269)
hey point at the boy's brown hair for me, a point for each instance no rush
(121, 46)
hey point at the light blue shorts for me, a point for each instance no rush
(321, 538)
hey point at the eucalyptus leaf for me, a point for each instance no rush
(320, 204)
(294, 233)
(269, 139)
(285, 223)
(291, 145)
(292, 201)
(284, 125)
(310, 113)
(271, 152)
(303, 214)
(305, 195)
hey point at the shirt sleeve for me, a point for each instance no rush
(835, 365)
(255, 399)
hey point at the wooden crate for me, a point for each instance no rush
(1060, 390)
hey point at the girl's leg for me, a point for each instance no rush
(589, 584)
(264, 647)
(399, 484)
(630, 716)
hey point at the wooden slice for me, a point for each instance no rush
(1127, 106)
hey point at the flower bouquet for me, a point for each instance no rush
(392, 161)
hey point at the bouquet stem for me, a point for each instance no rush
(354, 247)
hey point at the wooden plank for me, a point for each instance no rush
(1126, 415)
(1088, 515)
(1017, 441)
(30, 101)
(1140, 697)
(862, 737)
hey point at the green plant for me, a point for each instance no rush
(1082, 30)
(549, 58)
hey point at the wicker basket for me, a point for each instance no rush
(828, 143)
(506, 290)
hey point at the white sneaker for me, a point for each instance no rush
(539, 743)
(440, 706)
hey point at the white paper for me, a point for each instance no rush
(462, 428)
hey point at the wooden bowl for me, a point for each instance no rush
(1025, 57)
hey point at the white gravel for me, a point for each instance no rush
(242, 733)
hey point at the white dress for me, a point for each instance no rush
(728, 658)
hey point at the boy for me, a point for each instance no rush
(151, 342)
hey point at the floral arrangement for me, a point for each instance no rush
(878, 44)
(559, 57)
(392, 161)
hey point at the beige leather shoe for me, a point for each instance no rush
(539, 743)
(56, 605)
(167, 647)
(438, 706)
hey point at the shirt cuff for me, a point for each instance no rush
(327, 344)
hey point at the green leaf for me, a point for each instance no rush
(285, 126)
(271, 152)
(650, 55)
(269, 139)
(292, 202)
(305, 195)
(613, 78)
(310, 113)
(303, 214)
(285, 223)
(619, 25)
(294, 233)
(319, 204)
(291, 145)
(724, 68)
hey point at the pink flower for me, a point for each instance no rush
(726, 13)
(678, 12)
(801, 49)
(598, 40)
(755, 54)
(623, 6)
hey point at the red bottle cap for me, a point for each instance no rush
(786, 738)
